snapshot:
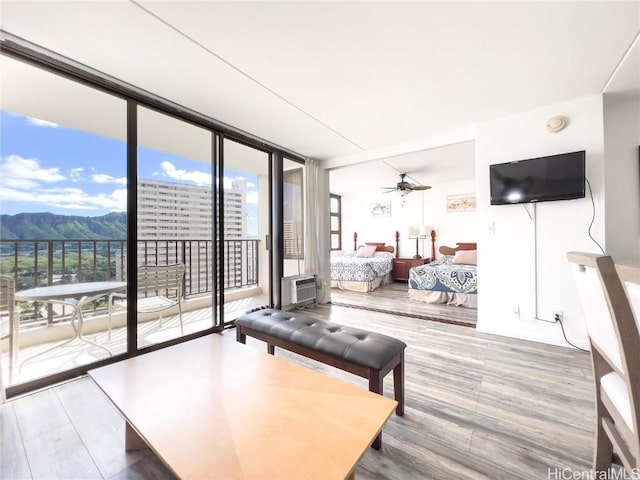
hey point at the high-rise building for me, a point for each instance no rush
(175, 223)
(174, 211)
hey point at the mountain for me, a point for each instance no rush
(49, 226)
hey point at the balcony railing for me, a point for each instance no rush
(38, 263)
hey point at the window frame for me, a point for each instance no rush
(338, 215)
(298, 173)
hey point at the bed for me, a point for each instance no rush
(452, 279)
(366, 268)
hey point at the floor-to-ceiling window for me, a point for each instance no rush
(245, 228)
(63, 200)
(203, 197)
(335, 216)
(293, 217)
(175, 224)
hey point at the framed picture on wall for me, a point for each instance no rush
(380, 209)
(465, 202)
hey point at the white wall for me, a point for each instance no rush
(356, 208)
(416, 208)
(506, 257)
(622, 178)
(450, 227)
(606, 127)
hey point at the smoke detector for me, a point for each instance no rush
(555, 124)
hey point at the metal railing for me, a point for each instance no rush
(38, 263)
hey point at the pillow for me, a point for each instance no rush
(465, 257)
(366, 251)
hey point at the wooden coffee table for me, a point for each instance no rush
(214, 409)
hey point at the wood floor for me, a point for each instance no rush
(393, 298)
(477, 407)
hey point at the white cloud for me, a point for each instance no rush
(119, 196)
(104, 178)
(252, 197)
(195, 176)
(41, 123)
(226, 183)
(68, 198)
(27, 173)
(72, 206)
(75, 174)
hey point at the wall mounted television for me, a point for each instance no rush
(556, 177)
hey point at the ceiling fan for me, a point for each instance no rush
(404, 187)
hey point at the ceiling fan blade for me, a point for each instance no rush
(420, 187)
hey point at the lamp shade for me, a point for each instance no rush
(425, 230)
(414, 231)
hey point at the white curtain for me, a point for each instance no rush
(317, 228)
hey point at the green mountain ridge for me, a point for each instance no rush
(49, 226)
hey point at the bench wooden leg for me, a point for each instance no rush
(398, 385)
(375, 381)
(270, 349)
(240, 337)
(376, 386)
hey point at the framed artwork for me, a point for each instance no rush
(380, 209)
(465, 202)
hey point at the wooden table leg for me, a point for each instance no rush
(132, 441)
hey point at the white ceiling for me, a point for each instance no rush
(337, 79)
(425, 167)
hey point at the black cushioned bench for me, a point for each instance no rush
(367, 354)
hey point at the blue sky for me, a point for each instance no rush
(46, 167)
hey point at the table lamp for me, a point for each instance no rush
(414, 232)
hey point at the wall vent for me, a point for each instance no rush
(303, 290)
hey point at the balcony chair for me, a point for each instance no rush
(615, 355)
(8, 311)
(156, 287)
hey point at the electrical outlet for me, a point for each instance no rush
(515, 311)
(557, 316)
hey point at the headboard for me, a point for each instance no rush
(380, 246)
(444, 250)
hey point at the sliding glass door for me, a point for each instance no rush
(245, 229)
(63, 229)
(293, 230)
(175, 226)
(101, 183)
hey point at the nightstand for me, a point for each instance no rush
(401, 267)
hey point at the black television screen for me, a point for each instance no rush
(556, 177)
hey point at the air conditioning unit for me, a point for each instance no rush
(303, 289)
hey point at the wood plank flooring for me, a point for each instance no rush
(393, 298)
(477, 407)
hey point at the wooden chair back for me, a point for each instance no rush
(615, 352)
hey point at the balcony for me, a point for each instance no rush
(42, 326)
